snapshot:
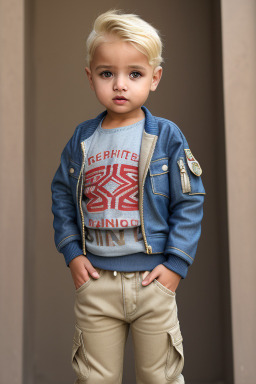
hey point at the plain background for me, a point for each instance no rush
(35, 292)
(189, 94)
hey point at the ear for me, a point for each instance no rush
(89, 75)
(156, 77)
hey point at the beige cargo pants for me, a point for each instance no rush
(105, 308)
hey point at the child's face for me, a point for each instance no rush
(118, 69)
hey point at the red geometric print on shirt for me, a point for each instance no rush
(112, 187)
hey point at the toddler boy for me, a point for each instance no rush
(127, 205)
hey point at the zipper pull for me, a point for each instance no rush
(185, 183)
(149, 249)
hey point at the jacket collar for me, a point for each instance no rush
(151, 125)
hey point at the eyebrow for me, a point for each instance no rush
(129, 66)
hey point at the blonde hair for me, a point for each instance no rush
(127, 27)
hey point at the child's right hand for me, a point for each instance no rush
(80, 268)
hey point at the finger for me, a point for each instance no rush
(150, 277)
(95, 274)
(145, 274)
(91, 270)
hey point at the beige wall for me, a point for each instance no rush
(239, 63)
(57, 99)
(12, 189)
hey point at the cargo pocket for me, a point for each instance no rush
(159, 176)
(79, 359)
(175, 357)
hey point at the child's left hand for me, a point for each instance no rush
(165, 276)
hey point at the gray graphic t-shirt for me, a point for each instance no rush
(110, 191)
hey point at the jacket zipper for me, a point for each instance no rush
(185, 183)
(148, 247)
(80, 198)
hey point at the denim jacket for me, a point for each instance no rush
(171, 192)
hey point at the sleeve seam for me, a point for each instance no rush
(181, 251)
(58, 246)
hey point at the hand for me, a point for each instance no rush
(165, 276)
(80, 268)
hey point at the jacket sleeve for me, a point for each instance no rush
(67, 235)
(185, 208)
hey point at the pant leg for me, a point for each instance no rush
(156, 336)
(100, 331)
(104, 308)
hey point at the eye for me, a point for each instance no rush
(106, 74)
(135, 75)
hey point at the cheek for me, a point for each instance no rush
(142, 88)
(102, 94)
(100, 89)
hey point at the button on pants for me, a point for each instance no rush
(105, 309)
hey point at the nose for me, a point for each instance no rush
(120, 83)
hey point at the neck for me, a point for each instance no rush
(113, 120)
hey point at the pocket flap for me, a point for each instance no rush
(79, 359)
(175, 334)
(159, 166)
(77, 336)
(73, 169)
(175, 357)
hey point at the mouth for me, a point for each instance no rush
(119, 98)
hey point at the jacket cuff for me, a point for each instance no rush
(178, 265)
(71, 250)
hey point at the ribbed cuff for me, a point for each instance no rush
(72, 250)
(178, 265)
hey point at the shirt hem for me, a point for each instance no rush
(127, 263)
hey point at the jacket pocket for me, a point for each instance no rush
(184, 178)
(79, 359)
(159, 176)
(73, 169)
(175, 356)
(190, 182)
